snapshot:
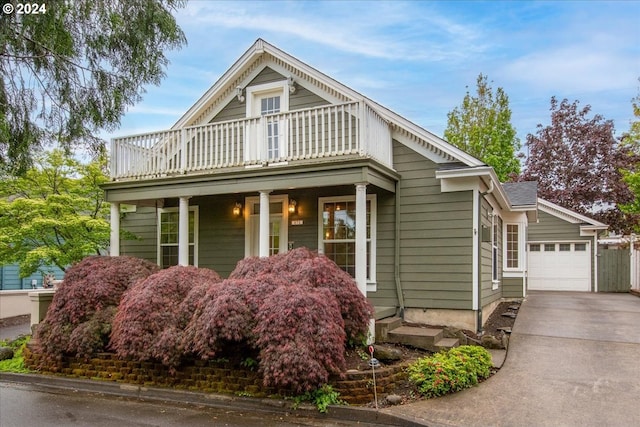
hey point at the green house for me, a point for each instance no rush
(277, 155)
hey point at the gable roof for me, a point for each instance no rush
(586, 223)
(522, 193)
(262, 54)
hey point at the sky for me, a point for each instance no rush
(417, 58)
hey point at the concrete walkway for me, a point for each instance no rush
(573, 360)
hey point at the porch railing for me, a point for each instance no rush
(328, 131)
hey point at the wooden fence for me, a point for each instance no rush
(619, 268)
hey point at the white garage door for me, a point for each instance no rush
(559, 266)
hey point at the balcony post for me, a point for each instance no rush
(364, 129)
(183, 150)
(264, 224)
(183, 231)
(114, 246)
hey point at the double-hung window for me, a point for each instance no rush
(338, 233)
(168, 238)
(267, 138)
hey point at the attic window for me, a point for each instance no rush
(267, 98)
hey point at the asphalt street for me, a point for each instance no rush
(24, 405)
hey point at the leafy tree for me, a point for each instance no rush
(481, 126)
(53, 215)
(74, 68)
(631, 139)
(577, 162)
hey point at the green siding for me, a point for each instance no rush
(435, 236)
(141, 224)
(302, 98)
(221, 234)
(267, 75)
(551, 228)
(512, 287)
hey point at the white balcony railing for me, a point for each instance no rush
(327, 131)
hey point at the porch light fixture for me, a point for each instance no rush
(293, 206)
(291, 83)
(237, 209)
(239, 93)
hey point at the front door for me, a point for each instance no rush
(278, 232)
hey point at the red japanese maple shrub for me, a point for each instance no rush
(227, 315)
(152, 316)
(79, 318)
(301, 338)
(321, 272)
(251, 267)
(308, 268)
(223, 317)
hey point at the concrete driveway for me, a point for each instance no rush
(573, 360)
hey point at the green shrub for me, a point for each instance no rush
(450, 371)
(322, 397)
(15, 364)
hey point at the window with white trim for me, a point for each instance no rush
(337, 232)
(268, 100)
(495, 250)
(513, 246)
(168, 236)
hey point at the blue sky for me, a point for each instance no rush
(418, 57)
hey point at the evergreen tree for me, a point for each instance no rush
(481, 126)
(74, 67)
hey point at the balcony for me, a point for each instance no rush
(352, 129)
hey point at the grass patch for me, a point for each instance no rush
(16, 364)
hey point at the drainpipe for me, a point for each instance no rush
(396, 261)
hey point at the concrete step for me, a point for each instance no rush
(383, 312)
(383, 326)
(447, 343)
(424, 338)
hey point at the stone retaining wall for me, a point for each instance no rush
(214, 376)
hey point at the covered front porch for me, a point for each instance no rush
(217, 219)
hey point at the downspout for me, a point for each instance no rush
(396, 261)
(479, 225)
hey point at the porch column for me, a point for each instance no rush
(183, 231)
(114, 246)
(264, 224)
(361, 237)
(361, 250)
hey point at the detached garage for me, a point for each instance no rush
(562, 249)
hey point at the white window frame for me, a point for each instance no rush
(495, 271)
(257, 92)
(254, 94)
(372, 199)
(196, 215)
(521, 246)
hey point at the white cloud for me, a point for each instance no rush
(391, 31)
